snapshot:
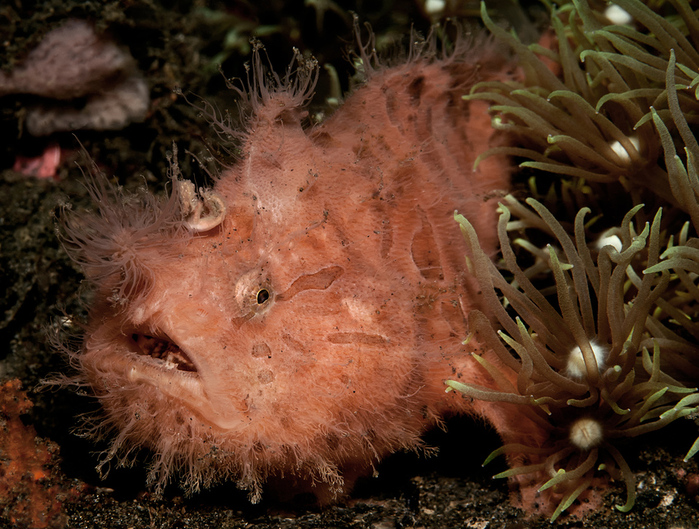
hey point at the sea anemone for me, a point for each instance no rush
(593, 316)
(595, 363)
(592, 121)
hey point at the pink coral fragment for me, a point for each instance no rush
(42, 166)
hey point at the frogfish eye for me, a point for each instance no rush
(262, 296)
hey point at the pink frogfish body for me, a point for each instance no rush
(296, 322)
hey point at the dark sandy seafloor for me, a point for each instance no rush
(40, 287)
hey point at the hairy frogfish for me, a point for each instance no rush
(295, 323)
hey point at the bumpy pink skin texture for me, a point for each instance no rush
(348, 227)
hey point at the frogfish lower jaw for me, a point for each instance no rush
(172, 375)
(137, 358)
(142, 357)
